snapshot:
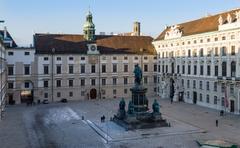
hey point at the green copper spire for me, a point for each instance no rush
(89, 28)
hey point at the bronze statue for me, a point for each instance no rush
(155, 107)
(138, 74)
(130, 107)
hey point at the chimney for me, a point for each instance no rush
(5, 32)
(136, 29)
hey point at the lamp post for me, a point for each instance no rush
(53, 51)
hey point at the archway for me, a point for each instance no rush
(26, 93)
(93, 93)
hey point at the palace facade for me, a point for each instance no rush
(199, 61)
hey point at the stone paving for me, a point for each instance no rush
(61, 125)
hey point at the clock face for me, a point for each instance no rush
(93, 48)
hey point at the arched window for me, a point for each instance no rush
(224, 69)
(233, 69)
(201, 52)
(224, 51)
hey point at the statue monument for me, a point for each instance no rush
(138, 115)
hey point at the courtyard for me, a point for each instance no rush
(61, 125)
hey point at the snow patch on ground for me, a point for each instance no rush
(58, 115)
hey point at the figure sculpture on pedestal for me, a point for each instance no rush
(130, 108)
(155, 107)
(138, 75)
(121, 111)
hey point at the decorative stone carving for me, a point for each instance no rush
(174, 32)
(220, 20)
(195, 62)
(237, 13)
(209, 62)
(229, 18)
(216, 62)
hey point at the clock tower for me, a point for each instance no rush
(89, 28)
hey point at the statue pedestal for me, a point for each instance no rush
(139, 99)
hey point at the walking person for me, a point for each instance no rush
(216, 123)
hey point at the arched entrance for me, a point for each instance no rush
(26, 93)
(93, 93)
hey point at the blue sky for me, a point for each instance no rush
(24, 17)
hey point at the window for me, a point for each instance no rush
(208, 70)
(26, 69)
(145, 80)
(201, 52)
(155, 68)
(59, 69)
(104, 58)
(188, 95)
(70, 69)
(103, 68)
(26, 84)
(125, 68)
(125, 91)
(45, 69)
(45, 83)
(70, 94)
(125, 58)
(189, 53)
(223, 38)
(233, 50)
(178, 68)
(58, 94)
(114, 58)
(222, 88)
(233, 69)
(59, 58)
(215, 100)
(200, 84)
(195, 53)
(59, 83)
(154, 79)
(82, 93)
(201, 70)
(223, 101)
(10, 70)
(183, 69)
(136, 58)
(189, 69)
(207, 85)
(224, 51)
(70, 83)
(188, 83)
(45, 95)
(166, 68)
(145, 67)
(10, 85)
(125, 80)
(45, 58)
(208, 40)
(216, 70)
(195, 69)
(82, 82)
(82, 68)
(114, 81)
(194, 84)
(209, 52)
(114, 91)
(224, 69)
(10, 53)
(93, 82)
(216, 53)
(216, 39)
(207, 99)
(215, 88)
(200, 97)
(70, 58)
(93, 69)
(26, 53)
(232, 37)
(103, 81)
(82, 58)
(114, 68)
(232, 89)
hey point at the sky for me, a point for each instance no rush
(23, 18)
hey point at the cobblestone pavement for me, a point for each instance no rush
(61, 125)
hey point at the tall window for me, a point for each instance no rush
(224, 51)
(10, 70)
(45, 83)
(70, 83)
(70, 69)
(215, 100)
(155, 68)
(188, 83)
(145, 79)
(58, 83)
(201, 70)
(104, 68)
(233, 50)
(224, 69)
(215, 86)
(194, 84)
(200, 84)
(59, 69)
(189, 53)
(82, 68)
(93, 69)
(45, 69)
(189, 69)
(233, 69)
(26, 69)
(114, 81)
(125, 68)
(93, 82)
(201, 52)
(208, 70)
(125, 80)
(207, 85)
(82, 82)
(216, 70)
(183, 69)
(195, 69)
(216, 51)
(178, 69)
(145, 67)
(114, 68)
(103, 81)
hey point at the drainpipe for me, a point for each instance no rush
(53, 51)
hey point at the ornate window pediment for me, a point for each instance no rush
(173, 32)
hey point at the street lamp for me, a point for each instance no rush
(53, 51)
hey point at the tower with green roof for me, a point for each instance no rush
(89, 28)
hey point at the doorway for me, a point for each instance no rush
(181, 96)
(232, 109)
(194, 97)
(93, 93)
(26, 96)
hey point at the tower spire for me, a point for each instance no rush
(89, 27)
